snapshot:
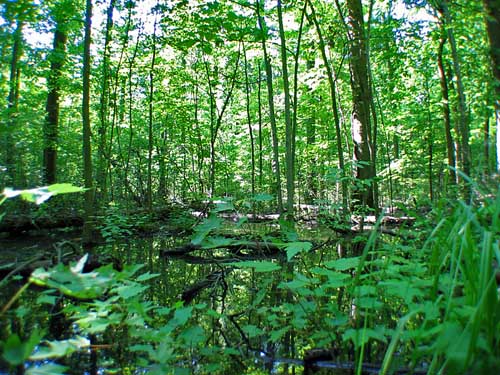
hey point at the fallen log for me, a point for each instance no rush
(210, 281)
(234, 247)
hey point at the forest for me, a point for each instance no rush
(249, 187)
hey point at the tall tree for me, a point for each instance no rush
(88, 225)
(289, 131)
(492, 10)
(13, 102)
(363, 191)
(463, 121)
(270, 99)
(51, 124)
(333, 101)
(104, 103)
(445, 103)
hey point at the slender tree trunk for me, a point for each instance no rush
(87, 150)
(463, 122)
(259, 106)
(289, 134)
(335, 111)
(492, 10)
(450, 150)
(12, 105)
(486, 144)
(249, 123)
(272, 113)
(104, 107)
(130, 113)
(149, 198)
(363, 192)
(51, 124)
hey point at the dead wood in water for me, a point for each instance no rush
(235, 247)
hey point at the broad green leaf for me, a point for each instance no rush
(182, 315)
(296, 247)
(147, 276)
(252, 331)
(214, 242)
(258, 266)
(64, 189)
(263, 197)
(193, 335)
(17, 352)
(223, 206)
(294, 284)
(275, 336)
(129, 290)
(202, 230)
(47, 369)
(14, 352)
(55, 349)
(343, 264)
(362, 336)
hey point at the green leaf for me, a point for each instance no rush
(294, 248)
(362, 336)
(182, 315)
(129, 290)
(275, 336)
(263, 197)
(147, 276)
(64, 189)
(56, 349)
(252, 331)
(193, 335)
(258, 266)
(215, 242)
(343, 264)
(47, 369)
(14, 350)
(202, 230)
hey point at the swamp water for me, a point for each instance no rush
(214, 311)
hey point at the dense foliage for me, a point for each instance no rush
(348, 109)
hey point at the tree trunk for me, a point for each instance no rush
(259, 106)
(272, 113)
(450, 149)
(149, 198)
(88, 225)
(289, 133)
(104, 106)
(492, 9)
(363, 192)
(335, 111)
(12, 106)
(51, 124)
(249, 123)
(463, 122)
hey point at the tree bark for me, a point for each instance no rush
(149, 198)
(51, 124)
(463, 122)
(492, 10)
(249, 123)
(363, 192)
(289, 133)
(335, 111)
(88, 225)
(12, 105)
(445, 103)
(272, 113)
(104, 106)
